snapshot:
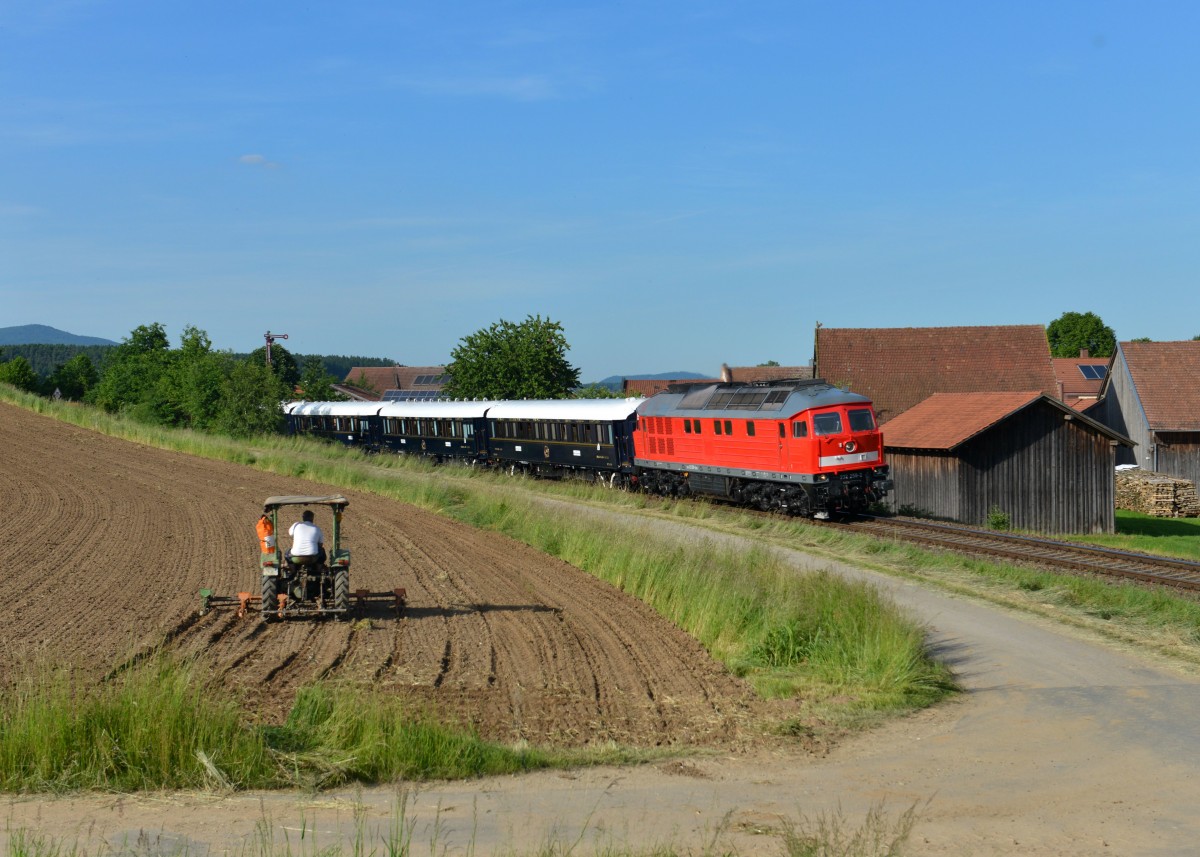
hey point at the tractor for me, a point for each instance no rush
(301, 586)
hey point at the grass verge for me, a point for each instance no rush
(159, 725)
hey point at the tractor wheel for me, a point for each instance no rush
(341, 591)
(270, 601)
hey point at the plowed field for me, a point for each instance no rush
(115, 539)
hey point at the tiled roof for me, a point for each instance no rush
(384, 378)
(1073, 385)
(650, 386)
(1167, 378)
(358, 394)
(900, 366)
(945, 420)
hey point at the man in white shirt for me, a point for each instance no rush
(307, 541)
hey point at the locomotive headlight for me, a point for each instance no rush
(851, 446)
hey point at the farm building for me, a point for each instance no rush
(1152, 394)
(1080, 379)
(1046, 466)
(396, 383)
(898, 367)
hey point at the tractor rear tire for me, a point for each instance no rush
(341, 591)
(270, 600)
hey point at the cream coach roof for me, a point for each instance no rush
(435, 410)
(564, 409)
(332, 409)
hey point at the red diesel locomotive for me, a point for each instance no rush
(802, 447)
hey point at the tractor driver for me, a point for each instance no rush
(307, 540)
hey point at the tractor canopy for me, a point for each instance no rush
(332, 500)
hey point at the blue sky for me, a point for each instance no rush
(679, 184)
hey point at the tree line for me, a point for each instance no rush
(191, 386)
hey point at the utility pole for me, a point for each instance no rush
(271, 337)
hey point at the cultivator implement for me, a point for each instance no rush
(248, 602)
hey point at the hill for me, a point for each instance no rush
(41, 334)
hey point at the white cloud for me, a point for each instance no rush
(258, 161)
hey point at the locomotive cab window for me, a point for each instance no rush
(749, 429)
(861, 419)
(728, 427)
(687, 426)
(696, 425)
(799, 428)
(716, 426)
(830, 423)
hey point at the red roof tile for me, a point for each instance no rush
(899, 367)
(1073, 385)
(945, 420)
(384, 378)
(1167, 378)
(649, 386)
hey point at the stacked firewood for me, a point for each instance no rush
(1157, 494)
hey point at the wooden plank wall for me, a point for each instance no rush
(1180, 455)
(1047, 473)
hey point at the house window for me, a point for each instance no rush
(799, 429)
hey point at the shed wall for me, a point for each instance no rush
(1179, 454)
(1049, 474)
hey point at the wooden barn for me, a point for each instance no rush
(1046, 466)
(1152, 394)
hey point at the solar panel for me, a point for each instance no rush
(1092, 372)
(410, 395)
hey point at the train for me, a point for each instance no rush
(801, 447)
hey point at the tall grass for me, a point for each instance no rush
(160, 725)
(155, 727)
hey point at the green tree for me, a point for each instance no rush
(1073, 331)
(74, 378)
(20, 374)
(194, 384)
(250, 400)
(283, 363)
(770, 363)
(1141, 339)
(513, 361)
(132, 373)
(315, 383)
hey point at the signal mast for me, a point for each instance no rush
(271, 337)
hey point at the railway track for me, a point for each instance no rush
(1034, 550)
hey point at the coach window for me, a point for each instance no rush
(729, 427)
(749, 429)
(716, 426)
(799, 429)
